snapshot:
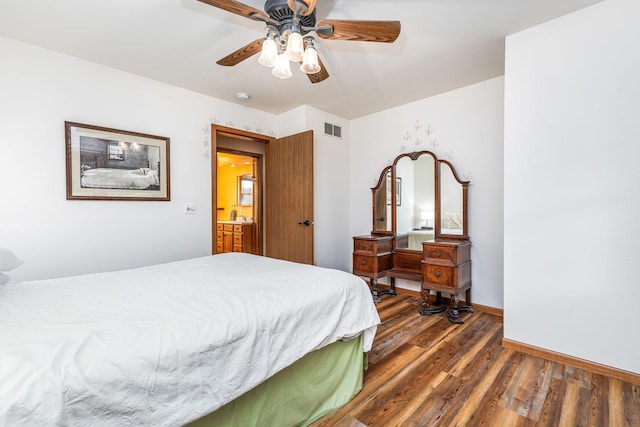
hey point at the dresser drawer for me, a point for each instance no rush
(439, 275)
(371, 265)
(237, 229)
(444, 275)
(440, 253)
(219, 227)
(446, 252)
(372, 246)
(237, 239)
(228, 227)
(219, 235)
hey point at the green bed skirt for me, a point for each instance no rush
(312, 387)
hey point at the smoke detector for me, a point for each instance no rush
(242, 96)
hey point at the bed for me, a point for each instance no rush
(416, 237)
(169, 344)
(131, 179)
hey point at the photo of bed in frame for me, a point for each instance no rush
(231, 339)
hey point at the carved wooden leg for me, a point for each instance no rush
(374, 290)
(452, 314)
(467, 307)
(426, 309)
(392, 288)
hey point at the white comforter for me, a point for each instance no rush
(165, 344)
(131, 179)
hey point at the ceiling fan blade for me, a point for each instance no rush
(236, 7)
(321, 75)
(241, 54)
(365, 31)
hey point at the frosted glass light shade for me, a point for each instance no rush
(269, 53)
(295, 47)
(282, 69)
(310, 63)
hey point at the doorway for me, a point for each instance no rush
(282, 192)
(237, 160)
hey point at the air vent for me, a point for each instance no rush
(333, 130)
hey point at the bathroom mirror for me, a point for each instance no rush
(382, 203)
(245, 190)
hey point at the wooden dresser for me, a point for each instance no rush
(446, 268)
(234, 238)
(420, 232)
(372, 258)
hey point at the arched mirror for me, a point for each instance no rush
(418, 198)
(415, 199)
(453, 203)
(382, 204)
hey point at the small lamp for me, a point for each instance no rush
(295, 47)
(310, 64)
(270, 49)
(282, 69)
(426, 216)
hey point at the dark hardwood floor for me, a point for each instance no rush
(426, 371)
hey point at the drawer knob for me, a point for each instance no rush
(438, 254)
(363, 246)
(437, 274)
(363, 262)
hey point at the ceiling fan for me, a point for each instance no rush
(289, 24)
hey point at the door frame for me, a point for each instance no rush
(217, 130)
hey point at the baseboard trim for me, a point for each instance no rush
(576, 362)
(477, 307)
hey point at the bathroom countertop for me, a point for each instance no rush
(240, 222)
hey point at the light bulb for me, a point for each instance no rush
(295, 47)
(269, 53)
(310, 63)
(282, 69)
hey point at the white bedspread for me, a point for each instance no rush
(136, 179)
(163, 345)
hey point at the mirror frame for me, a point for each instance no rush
(465, 214)
(374, 217)
(439, 163)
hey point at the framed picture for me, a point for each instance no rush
(398, 190)
(112, 164)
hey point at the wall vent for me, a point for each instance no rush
(333, 130)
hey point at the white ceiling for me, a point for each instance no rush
(443, 45)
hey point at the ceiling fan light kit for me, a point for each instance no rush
(288, 24)
(310, 63)
(282, 69)
(269, 52)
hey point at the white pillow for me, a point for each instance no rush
(8, 260)
(3, 279)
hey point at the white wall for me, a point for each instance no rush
(465, 126)
(39, 90)
(572, 144)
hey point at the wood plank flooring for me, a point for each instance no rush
(426, 371)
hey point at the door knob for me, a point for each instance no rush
(305, 222)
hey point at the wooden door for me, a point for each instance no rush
(289, 198)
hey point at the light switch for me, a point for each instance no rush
(190, 208)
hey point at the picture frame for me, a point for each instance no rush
(398, 191)
(113, 164)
